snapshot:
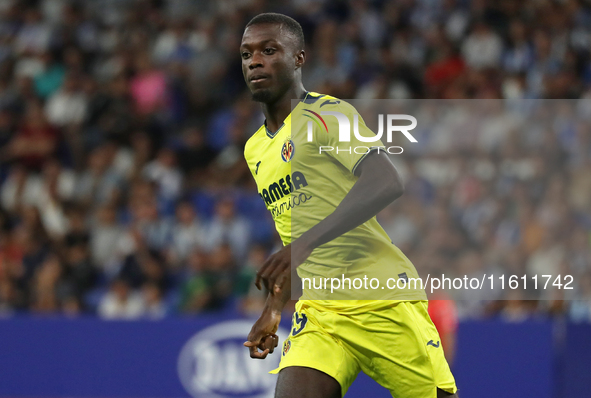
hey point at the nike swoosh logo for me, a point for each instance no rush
(433, 344)
(257, 169)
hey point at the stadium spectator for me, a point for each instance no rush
(188, 234)
(105, 235)
(443, 313)
(35, 141)
(121, 302)
(164, 172)
(67, 106)
(228, 228)
(154, 305)
(482, 48)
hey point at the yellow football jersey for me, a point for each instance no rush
(303, 171)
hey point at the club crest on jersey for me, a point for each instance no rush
(287, 150)
(286, 346)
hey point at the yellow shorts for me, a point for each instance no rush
(398, 346)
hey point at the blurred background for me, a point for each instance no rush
(124, 193)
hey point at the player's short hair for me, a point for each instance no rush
(289, 23)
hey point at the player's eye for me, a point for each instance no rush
(245, 55)
(269, 51)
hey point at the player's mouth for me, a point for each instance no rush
(258, 78)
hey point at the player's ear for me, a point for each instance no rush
(300, 59)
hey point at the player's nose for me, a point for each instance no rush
(256, 60)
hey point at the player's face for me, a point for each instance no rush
(268, 61)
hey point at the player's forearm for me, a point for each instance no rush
(276, 302)
(378, 186)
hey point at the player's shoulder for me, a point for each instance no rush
(324, 102)
(251, 144)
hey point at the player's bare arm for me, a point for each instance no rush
(378, 185)
(263, 336)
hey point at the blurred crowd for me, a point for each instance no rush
(499, 189)
(122, 122)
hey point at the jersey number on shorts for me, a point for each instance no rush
(299, 322)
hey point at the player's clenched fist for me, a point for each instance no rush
(262, 335)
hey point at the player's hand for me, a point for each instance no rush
(262, 335)
(276, 271)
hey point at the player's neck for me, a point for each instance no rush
(277, 111)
